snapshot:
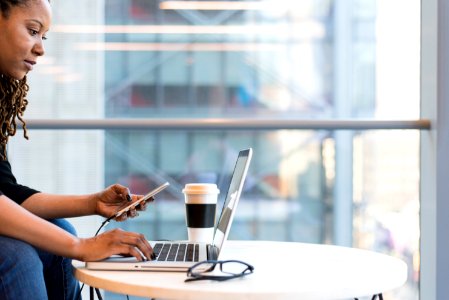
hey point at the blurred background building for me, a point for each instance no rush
(227, 60)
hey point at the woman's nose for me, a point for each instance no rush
(39, 48)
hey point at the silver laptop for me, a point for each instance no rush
(180, 255)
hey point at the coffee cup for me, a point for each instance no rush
(200, 203)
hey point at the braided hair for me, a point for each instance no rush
(13, 104)
(13, 93)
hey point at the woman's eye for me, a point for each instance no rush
(36, 32)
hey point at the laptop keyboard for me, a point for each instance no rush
(176, 252)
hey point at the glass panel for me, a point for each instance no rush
(290, 193)
(301, 59)
(278, 59)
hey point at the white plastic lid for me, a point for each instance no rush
(201, 188)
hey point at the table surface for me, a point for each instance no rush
(282, 270)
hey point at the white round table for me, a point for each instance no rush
(282, 270)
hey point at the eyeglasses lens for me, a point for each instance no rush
(232, 267)
(221, 270)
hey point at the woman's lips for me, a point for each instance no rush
(29, 64)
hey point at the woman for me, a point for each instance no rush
(36, 244)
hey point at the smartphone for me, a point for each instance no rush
(144, 198)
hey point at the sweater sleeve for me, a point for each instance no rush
(9, 186)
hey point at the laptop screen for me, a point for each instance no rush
(232, 197)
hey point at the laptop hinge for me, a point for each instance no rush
(212, 252)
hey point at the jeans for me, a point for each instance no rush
(27, 272)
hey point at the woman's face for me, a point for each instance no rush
(21, 37)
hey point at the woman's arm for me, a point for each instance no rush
(18, 223)
(50, 206)
(105, 203)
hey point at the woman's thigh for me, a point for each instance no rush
(21, 271)
(58, 271)
(30, 273)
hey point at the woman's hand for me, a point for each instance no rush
(116, 241)
(114, 198)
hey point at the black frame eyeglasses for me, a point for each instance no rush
(201, 271)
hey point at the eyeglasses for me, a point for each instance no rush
(229, 269)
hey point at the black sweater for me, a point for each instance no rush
(9, 185)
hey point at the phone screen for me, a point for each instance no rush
(144, 198)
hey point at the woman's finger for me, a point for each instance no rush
(122, 217)
(139, 241)
(128, 250)
(132, 213)
(142, 206)
(122, 191)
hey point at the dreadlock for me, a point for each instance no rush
(12, 105)
(12, 93)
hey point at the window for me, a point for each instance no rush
(272, 61)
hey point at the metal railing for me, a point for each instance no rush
(228, 124)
